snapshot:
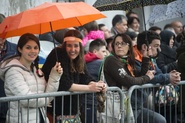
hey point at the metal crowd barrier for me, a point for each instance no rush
(120, 111)
(114, 106)
(170, 112)
(53, 95)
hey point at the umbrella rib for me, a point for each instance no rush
(78, 21)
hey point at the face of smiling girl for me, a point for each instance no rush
(29, 52)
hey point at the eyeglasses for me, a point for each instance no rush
(121, 44)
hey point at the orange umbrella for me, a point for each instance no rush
(48, 17)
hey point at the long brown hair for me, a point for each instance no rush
(78, 64)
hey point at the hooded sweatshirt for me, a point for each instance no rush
(93, 64)
(166, 60)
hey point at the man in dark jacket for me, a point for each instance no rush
(153, 41)
(7, 49)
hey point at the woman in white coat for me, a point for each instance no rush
(22, 77)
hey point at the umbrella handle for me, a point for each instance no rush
(143, 12)
(54, 42)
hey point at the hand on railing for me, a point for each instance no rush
(99, 86)
(150, 74)
(175, 77)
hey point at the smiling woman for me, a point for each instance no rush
(29, 80)
(75, 77)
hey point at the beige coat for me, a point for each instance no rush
(20, 81)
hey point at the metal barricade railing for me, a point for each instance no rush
(171, 115)
(114, 106)
(124, 98)
(27, 98)
(53, 95)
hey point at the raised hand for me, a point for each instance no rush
(58, 68)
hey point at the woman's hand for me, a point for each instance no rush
(99, 86)
(104, 86)
(150, 74)
(58, 68)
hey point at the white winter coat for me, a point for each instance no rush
(20, 81)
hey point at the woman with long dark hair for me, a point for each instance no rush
(75, 77)
(120, 71)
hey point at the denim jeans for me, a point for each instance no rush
(148, 116)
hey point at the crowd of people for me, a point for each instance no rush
(128, 57)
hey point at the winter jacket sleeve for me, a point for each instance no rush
(144, 67)
(165, 67)
(159, 77)
(53, 82)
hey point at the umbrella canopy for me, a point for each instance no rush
(105, 5)
(47, 17)
(177, 7)
(159, 14)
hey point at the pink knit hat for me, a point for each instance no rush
(93, 35)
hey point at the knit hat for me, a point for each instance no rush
(93, 35)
